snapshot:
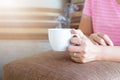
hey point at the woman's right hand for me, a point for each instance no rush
(101, 39)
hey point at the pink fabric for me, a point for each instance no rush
(105, 16)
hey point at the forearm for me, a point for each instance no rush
(109, 53)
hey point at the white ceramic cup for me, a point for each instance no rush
(59, 38)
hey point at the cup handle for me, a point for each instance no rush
(76, 35)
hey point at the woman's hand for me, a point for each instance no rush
(101, 39)
(82, 49)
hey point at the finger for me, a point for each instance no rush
(106, 39)
(75, 41)
(74, 54)
(94, 42)
(73, 49)
(78, 60)
(77, 36)
(82, 60)
(79, 32)
(77, 55)
(74, 31)
(99, 40)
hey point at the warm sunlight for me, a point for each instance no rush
(8, 3)
(30, 3)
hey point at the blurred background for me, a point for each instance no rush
(24, 25)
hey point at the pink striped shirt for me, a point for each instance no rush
(105, 16)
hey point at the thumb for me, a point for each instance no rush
(73, 31)
(78, 31)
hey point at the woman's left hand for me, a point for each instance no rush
(82, 49)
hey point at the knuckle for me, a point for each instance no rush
(84, 56)
(105, 36)
(69, 49)
(72, 40)
(76, 60)
(84, 50)
(92, 35)
(83, 61)
(95, 43)
(101, 40)
(80, 60)
(109, 41)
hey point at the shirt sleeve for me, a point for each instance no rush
(87, 10)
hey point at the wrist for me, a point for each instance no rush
(98, 53)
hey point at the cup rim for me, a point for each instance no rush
(59, 29)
